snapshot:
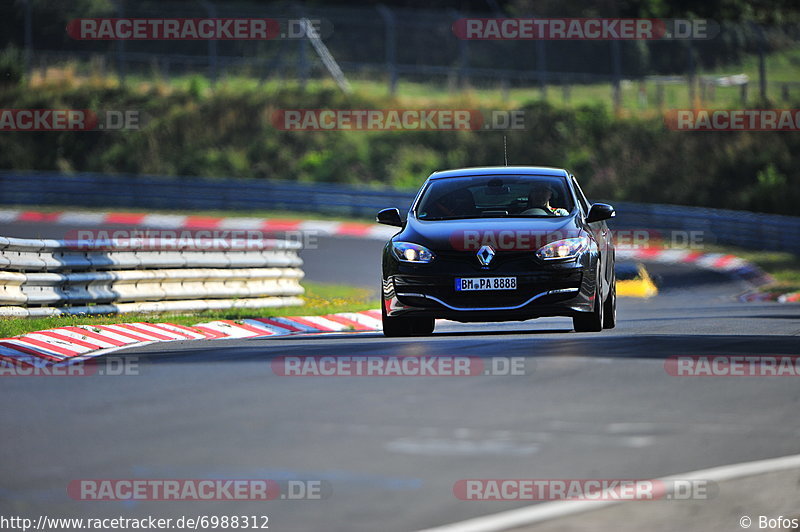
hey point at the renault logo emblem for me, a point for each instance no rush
(485, 255)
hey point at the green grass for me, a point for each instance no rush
(319, 299)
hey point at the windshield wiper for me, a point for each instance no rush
(435, 218)
(479, 216)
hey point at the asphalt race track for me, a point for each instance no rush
(593, 405)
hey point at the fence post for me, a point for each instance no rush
(762, 65)
(616, 66)
(660, 95)
(303, 66)
(463, 56)
(302, 61)
(120, 44)
(692, 78)
(391, 45)
(211, 9)
(28, 38)
(541, 67)
(643, 94)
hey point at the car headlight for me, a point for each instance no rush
(408, 252)
(569, 248)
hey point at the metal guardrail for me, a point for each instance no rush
(50, 277)
(758, 231)
(192, 193)
(741, 228)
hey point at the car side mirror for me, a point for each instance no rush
(390, 217)
(599, 212)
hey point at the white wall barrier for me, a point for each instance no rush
(50, 277)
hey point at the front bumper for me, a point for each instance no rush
(564, 289)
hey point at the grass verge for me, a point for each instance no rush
(782, 266)
(319, 299)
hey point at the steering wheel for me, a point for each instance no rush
(536, 210)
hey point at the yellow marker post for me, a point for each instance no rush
(641, 286)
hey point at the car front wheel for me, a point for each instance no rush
(610, 310)
(591, 321)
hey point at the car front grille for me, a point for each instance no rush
(528, 285)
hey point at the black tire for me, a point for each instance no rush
(591, 321)
(610, 310)
(422, 326)
(401, 327)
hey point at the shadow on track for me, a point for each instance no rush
(496, 343)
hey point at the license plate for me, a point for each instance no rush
(486, 283)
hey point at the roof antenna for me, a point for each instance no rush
(505, 150)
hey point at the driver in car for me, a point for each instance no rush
(539, 202)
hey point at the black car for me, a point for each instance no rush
(498, 244)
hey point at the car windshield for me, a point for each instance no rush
(495, 196)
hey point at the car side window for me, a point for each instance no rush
(581, 197)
